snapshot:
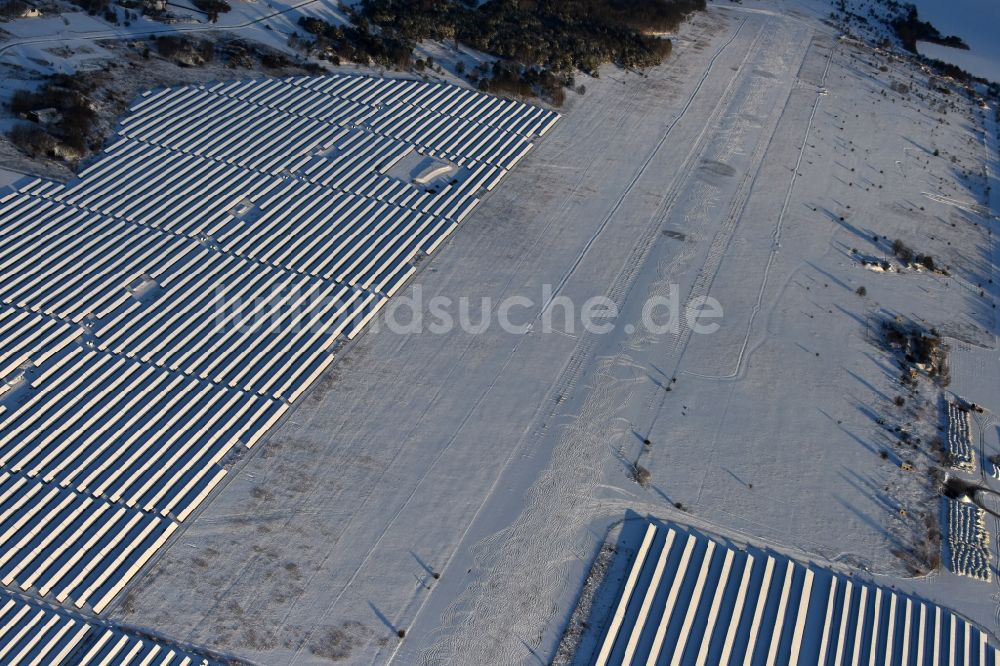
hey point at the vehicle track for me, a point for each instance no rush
(643, 247)
(710, 268)
(775, 237)
(508, 587)
(621, 113)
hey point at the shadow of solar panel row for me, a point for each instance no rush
(225, 205)
(505, 114)
(155, 187)
(168, 304)
(73, 264)
(689, 599)
(30, 338)
(34, 633)
(363, 242)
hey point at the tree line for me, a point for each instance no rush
(538, 44)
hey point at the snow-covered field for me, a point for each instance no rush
(458, 485)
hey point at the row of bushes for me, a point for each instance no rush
(12, 8)
(538, 44)
(906, 255)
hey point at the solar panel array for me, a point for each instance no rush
(172, 301)
(689, 599)
(33, 633)
(968, 540)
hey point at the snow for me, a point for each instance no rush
(498, 460)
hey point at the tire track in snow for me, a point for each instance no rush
(501, 613)
(776, 236)
(622, 111)
(638, 175)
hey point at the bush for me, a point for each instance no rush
(66, 94)
(641, 475)
(209, 6)
(902, 251)
(274, 60)
(212, 7)
(358, 44)
(33, 140)
(861, 291)
(12, 8)
(170, 45)
(186, 51)
(91, 6)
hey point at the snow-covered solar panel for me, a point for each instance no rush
(456, 139)
(342, 237)
(236, 323)
(71, 263)
(164, 189)
(263, 140)
(689, 598)
(444, 99)
(110, 645)
(77, 548)
(127, 431)
(36, 633)
(281, 95)
(30, 338)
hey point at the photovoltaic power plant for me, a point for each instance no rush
(169, 304)
(690, 599)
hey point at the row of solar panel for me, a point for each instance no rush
(690, 599)
(32, 633)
